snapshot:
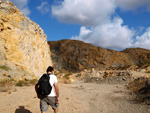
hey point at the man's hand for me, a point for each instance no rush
(36, 87)
(57, 100)
(39, 96)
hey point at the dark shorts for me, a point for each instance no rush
(45, 102)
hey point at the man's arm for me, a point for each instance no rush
(57, 92)
(36, 87)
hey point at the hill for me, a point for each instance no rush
(140, 56)
(73, 55)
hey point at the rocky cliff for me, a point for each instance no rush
(140, 56)
(23, 44)
(75, 55)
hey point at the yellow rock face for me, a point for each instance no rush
(22, 42)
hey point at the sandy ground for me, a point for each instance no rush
(77, 97)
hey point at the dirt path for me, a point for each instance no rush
(74, 98)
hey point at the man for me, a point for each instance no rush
(53, 98)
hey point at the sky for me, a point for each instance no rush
(111, 24)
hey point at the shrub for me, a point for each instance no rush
(6, 85)
(22, 83)
(141, 88)
(33, 81)
(66, 76)
(5, 68)
(26, 83)
(5, 74)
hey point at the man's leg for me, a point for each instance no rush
(43, 105)
(52, 103)
(56, 110)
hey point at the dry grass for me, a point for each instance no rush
(26, 82)
(6, 85)
(66, 76)
(141, 88)
(5, 68)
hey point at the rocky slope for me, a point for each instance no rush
(23, 44)
(75, 55)
(140, 56)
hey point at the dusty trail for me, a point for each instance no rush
(74, 98)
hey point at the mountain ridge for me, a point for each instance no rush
(74, 55)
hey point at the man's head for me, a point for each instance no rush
(50, 69)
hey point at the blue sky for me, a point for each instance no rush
(113, 24)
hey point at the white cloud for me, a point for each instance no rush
(143, 41)
(22, 5)
(133, 4)
(84, 12)
(84, 31)
(44, 8)
(111, 35)
(99, 24)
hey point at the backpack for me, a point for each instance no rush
(44, 88)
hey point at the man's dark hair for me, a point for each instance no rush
(50, 68)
